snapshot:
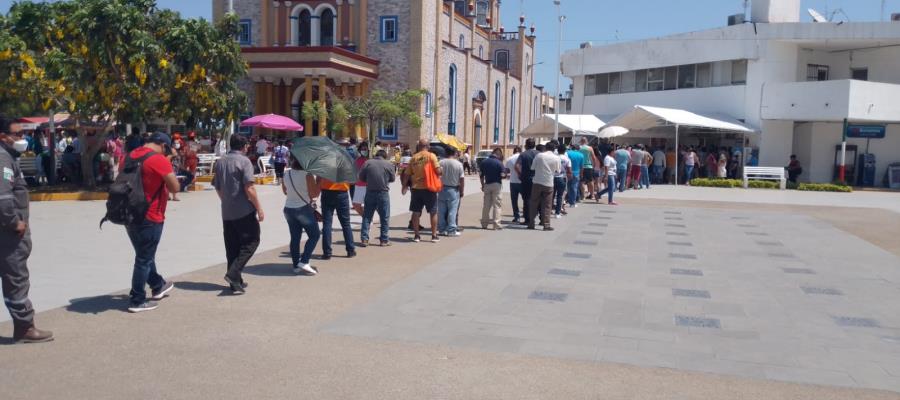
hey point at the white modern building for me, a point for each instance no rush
(792, 82)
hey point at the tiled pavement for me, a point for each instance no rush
(752, 294)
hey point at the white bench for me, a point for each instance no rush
(264, 169)
(29, 167)
(205, 162)
(765, 173)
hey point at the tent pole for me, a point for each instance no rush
(677, 152)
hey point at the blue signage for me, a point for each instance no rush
(866, 131)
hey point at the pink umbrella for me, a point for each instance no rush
(273, 121)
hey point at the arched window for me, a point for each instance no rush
(497, 112)
(462, 41)
(537, 108)
(481, 52)
(451, 125)
(501, 59)
(305, 27)
(326, 28)
(512, 115)
(481, 12)
(428, 105)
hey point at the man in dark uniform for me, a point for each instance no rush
(15, 240)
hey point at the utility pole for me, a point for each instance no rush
(558, 67)
(230, 131)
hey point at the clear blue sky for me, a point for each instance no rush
(606, 21)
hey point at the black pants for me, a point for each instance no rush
(241, 241)
(14, 252)
(527, 184)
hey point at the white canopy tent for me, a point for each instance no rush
(570, 125)
(646, 117)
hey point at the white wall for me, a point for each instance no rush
(728, 100)
(822, 138)
(775, 11)
(776, 143)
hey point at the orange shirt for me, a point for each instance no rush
(416, 168)
(325, 184)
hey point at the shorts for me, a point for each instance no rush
(587, 175)
(423, 198)
(359, 195)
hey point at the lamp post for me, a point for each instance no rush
(561, 18)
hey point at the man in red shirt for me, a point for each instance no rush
(158, 179)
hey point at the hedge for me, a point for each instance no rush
(736, 183)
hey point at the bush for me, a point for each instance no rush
(763, 184)
(713, 182)
(824, 187)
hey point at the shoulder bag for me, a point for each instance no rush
(312, 205)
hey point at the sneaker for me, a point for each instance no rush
(326, 256)
(417, 239)
(385, 244)
(498, 228)
(364, 243)
(531, 227)
(305, 269)
(351, 254)
(557, 216)
(162, 292)
(442, 233)
(435, 239)
(612, 203)
(145, 306)
(454, 234)
(548, 229)
(237, 288)
(575, 205)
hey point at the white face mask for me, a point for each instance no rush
(20, 145)
(177, 145)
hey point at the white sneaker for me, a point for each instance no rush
(557, 216)
(455, 234)
(305, 269)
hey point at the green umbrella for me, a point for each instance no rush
(322, 157)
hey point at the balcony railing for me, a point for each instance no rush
(510, 36)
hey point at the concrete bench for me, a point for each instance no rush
(765, 173)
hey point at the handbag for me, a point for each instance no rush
(432, 180)
(312, 205)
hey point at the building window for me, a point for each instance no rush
(816, 72)
(628, 78)
(497, 112)
(326, 29)
(459, 6)
(481, 52)
(387, 130)
(501, 59)
(671, 78)
(656, 79)
(704, 75)
(640, 80)
(537, 108)
(244, 37)
(451, 118)
(615, 83)
(859, 74)
(687, 76)
(305, 27)
(428, 104)
(739, 72)
(512, 115)
(389, 29)
(462, 41)
(481, 12)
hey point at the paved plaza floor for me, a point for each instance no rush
(680, 293)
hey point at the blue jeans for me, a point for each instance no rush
(645, 176)
(622, 175)
(336, 201)
(688, 173)
(559, 189)
(448, 205)
(299, 220)
(379, 202)
(657, 173)
(574, 187)
(610, 188)
(145, 239)
(515, 191)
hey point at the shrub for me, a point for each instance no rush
(712, 182)
(763, 184)
(824, 187)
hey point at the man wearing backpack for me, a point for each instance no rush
(157, 180)
(241, 211)
(422, 196)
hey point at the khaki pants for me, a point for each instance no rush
(491, 210)
(543, 196)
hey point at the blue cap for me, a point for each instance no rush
(160, 138)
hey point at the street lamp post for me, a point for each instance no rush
(561, 18)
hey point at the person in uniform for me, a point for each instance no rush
(15, 240)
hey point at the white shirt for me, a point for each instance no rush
(262, 146)
(545, 166)
(510, 165)
(610, 164)
(296, 179)
(564, 164)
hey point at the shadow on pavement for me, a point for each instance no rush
(269, 270)
(99, 304)
(200, 286)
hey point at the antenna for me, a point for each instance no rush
(816, 16)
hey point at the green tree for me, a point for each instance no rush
(385, 107)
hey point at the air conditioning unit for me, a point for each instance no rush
(586, 45)
(736, 19)
(895, 17)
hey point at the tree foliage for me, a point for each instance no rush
(385, 107)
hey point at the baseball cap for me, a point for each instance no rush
(160, 138)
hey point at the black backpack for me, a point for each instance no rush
(127, 204)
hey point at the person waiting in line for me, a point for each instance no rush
(359, 188)
(794, 169)
(491, 176)
(377, 173)
(453, 182)
(610, 172)
(335, 199)
(722, 165)
(300, 212)
(515, 184)
(560, 181)
(421, 197)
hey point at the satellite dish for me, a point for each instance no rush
(816, 16)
